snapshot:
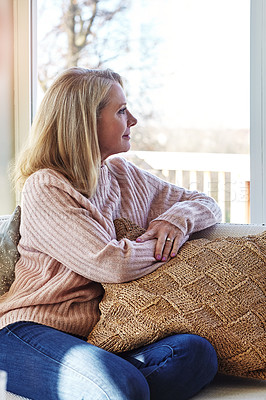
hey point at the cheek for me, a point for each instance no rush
(102, 131)
(122, 123)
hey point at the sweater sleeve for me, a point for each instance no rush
(58, 222)
(190, 211)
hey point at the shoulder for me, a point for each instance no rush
(128, 174)
(46, 176)
(45, 181)
(119, 165)
(48, 189)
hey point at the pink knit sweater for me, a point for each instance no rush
(68, 242)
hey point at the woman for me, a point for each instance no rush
(71, 196)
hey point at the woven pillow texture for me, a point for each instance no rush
(212, 288)
(9, 238)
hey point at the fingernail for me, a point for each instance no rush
(164, 259)
(138, 240)
(173, 254)
(158, 257)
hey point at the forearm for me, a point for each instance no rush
(125, 260)
(194, 214)
(87, 249)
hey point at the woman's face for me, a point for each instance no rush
(114, 123)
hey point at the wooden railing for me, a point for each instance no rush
(226, 177)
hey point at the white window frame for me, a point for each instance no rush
(258, 112)
(25, 82)
(25, 60)
(22, 71)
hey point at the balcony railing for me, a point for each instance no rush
(226, 177)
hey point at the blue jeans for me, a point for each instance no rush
(45, 364)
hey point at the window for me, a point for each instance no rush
(187, 76)
(147, 23)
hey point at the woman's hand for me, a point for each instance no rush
(169, 239)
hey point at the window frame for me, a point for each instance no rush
(22, 71)
(25, 82)
(257, 112)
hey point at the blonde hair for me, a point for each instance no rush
(64, 132)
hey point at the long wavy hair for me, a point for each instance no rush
(64, 132)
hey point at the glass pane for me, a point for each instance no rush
(186, 70)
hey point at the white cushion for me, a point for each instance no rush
(222, 387)
(233, 388)
(11, 396)
(223, 230)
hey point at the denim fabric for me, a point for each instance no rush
(45, 364)
(176, 367)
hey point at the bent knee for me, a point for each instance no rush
(203, 354)
(134, 385)
(109, 379)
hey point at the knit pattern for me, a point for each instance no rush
(68, 242)
(212, 288)
(125, 228)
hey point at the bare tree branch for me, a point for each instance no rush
(89, 33)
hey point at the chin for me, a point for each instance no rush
(125, 147)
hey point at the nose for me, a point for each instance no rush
(131, 120)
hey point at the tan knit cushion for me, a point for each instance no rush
(125, 228)
(213, 288)
(9, 237)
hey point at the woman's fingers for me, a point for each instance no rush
(178, 240)
(168, 246)
(148, 235)
(176, 245)
(163, 247)
(169, 239)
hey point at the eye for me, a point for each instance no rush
(122, 111)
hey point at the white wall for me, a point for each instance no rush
(7, 201)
